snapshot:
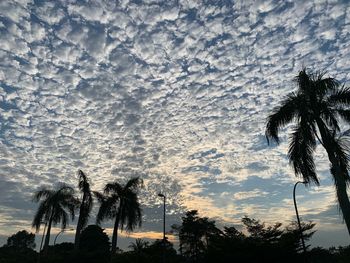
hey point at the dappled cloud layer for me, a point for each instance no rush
(176, 92)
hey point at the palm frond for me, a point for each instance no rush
(301, 150)
(83, 184)
(130, 212)
(344, 114)
(282, 115)
(340, 96)
(134, 183)
(42, 193)
(100, 197)
(39, 216)
(341, 150)
(113, 187)
(324, 85)
(303, 80)
(107, 208)
(54, 204)
(85, 209)
(329, 116)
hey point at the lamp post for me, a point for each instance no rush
(62, 230)
(163, 196)
(298, 219)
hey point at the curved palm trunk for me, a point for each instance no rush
(338, 175)
(47, 237)
(343, 198)
(77, 234)
(79, 224)
(115, 235)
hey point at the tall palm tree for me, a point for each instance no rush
(55, 207)
(316, 107)
(120, 203)
(85, 206)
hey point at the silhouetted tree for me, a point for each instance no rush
(139, 245)
(120, 203)
(258, 243)
(316, 107)
(55, 207)
(194, 234)
(94, 238)
(85, 206)
(138, 250)
(22, 239)
(157, 248)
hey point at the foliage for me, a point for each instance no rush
(22, 239)
(316, 107)
(13, 255)
(121, 203)
(93, 238)
(194, 234)
(85, 206)
(254, 241)
(55, 207)
(153, 252)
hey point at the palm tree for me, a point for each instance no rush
(120, 203)
(316, 107)
(55, 207)
(85, 206)
(139, 245)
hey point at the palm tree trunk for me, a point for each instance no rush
(47, 237)
(77, 234)
(79, 225)
(343, 199)
(338, 174)
(115, 235)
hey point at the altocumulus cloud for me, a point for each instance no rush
(174, 91)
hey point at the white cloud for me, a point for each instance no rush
(119, 90)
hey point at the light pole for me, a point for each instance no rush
(163, 196)
(296, 211)
(62, 230)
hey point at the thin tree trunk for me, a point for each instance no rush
(79, 225)
(343, 199)
(115, 235)
(338, 174)
(47, 237)
(77, 235)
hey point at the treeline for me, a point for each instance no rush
(199, 241)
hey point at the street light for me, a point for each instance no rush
(163, 196)
(62, 230)
(296, 211)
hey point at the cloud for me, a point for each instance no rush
(177, 93)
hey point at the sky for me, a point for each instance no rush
(176, 92)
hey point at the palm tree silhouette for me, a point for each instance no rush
(55, 207)
(85, 206)
(316, 108)
(139, 245)
(120, 203)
